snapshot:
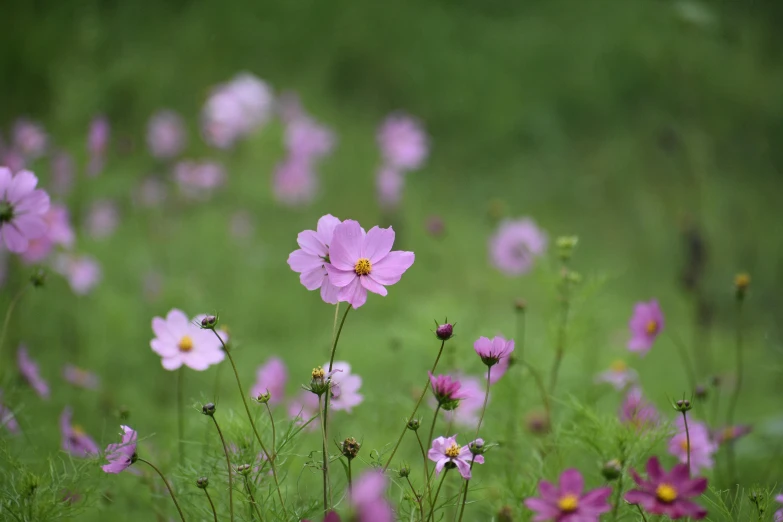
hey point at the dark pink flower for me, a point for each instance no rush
(74, 440)
(729, 434)
(82, 272)
(515, 246)
(645, 325)
(492, 351)
(637, 411)
(702, 447)
(271, 377)
(619, 375)
(345, 387)
(121, 456)
(472, 390)
(7, 419)
(567, 502)
(446, 452)
(165, 134)
(364, 261)
(313, 256)
(29, 370)
(446, 390)
(81, 378)
(180, 341)
(22, 209)
(403, 142)
(669, 493)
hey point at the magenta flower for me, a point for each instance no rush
(303, 408)
(467, 414)
(81, 378)
(367, 499)
(82, 272)
(345, 387)
(294, 181)
(7, 418)
(567, 501)
(729, 434)
(313, 256)
(29, 370)
(271, 377)
(197, 180)
(637, 411)
(97, 142)
(445, 452)
(58, 232)
(179, 341)
(446, 390)
(166, 134)
(364, 261)
(74, 440)
(619, 375)
(645, 324)
(389, 184)
(668, 493)
(404, 143)
(29, 139)
(121, 456)
(22, 209)
(702, 447)
(515, 246)
(492, 351)
(102, 219)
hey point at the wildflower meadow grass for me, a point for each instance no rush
(418, 261)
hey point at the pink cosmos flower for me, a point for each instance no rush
(74, 440)
(729, 434)
(345, 387)
(97, 142)
(7, 418)
(271, 377)
(313, 256)
(58, 232)
(492, 351)
(294, 182)
(619, 375)
(29, 370)
(303, 408)
(121, 456)
(645, 324)
(567, 501)
(515, 246)
(389, 184)
(446, 452)
(467, 414)
(81, 378)
(499, 370)
(30, 139)
(637, 411)
(702, 447)
(197, 180)
(364, 261)
(166, 134)
(102, 219)
(307, 139)
(82, 272)
(235, 109)
(22, 209)
(404, 143)
(367, 499)
(62, 173)
(779, 512)
(180, 341)
(446, 390)
(668, 494)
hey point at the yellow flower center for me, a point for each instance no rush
(318, 373)
(77, 430)
(568, 503)
(362, 267)
(666, 493)
(452, 451)
(684, 445)
(185, 344)
(652, 326)
(618, 366)
(728, 433)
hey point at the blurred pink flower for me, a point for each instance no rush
(97, 141)
(307, 139)
(74, 440)
(312, 257)
(568, 501)
(645, 325)
(81, 378)
(150, 193)
(22, 209)
(82, 272)
(62, 173)
(702, 447)
(472, 390)
(294, 182)
(345, 387)
(445, 450)
(197, 180)
(235, 109)
(729, 434)
(102, 219)
(29, 370)
(166, 134)
(362, 261)
(30, 139)
(59, 232)
(180, 341)
(779, 512)
(619, 375)
(389, 184)
(271, 377)
(637, 411)
(121, 456)
(367, 498)
(403, 142)
(499, 370)
(7, 418)
(515, 245)
(302, 408)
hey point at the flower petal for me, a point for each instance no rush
(5, 181)
(389, 270)
(23, 183)
(329, 291)
(301, 261)
(571, 482)
(340, 278)
(164, 348)
(354, 293)
(14, 240)
(325, 228)
(372, 286)
(171, 363)
(32, 226)
(654, 470)
(346, 247)
(310, 243)
(313, 279)
(36, 202)
(378, 243)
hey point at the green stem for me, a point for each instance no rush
(274, 435)
(540, 385)
(180, 413)
(619, 498)
(211, 504)
(415, 408)
(432, 507)
(252, 423)
(644, 517)
(483, 411)
(350, 481)
(687, 364)
(562, 331)
(687, 440)
(168, 486)
(737, 388)
(325, 459)
(465, 494)
(228, 469)
(426, 470)
(8, 314)
(417, 497)
(521, 335)
(253, 500)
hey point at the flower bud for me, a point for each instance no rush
(566, 246)
(202, 482)
(741, 283)
(243, 469)
(404, 471)
(208, 409)
(476, 447)
(445, 331)
(350, 448)
(318, 382)
(682, 405)
(263, 398)
(520, 305)
(612, 469)
(38, 278)
(414, 424)
(700, 392)
(209, 322)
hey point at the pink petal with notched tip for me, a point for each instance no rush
(377, 243)
(389, 270)
(22, 184)
(14, 240)
(372, 286)
(346, 247)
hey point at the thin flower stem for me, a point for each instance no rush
(426, 471)
(168, 486)
(644, 517)
(737, 388)
(427, 488)
(478, 427)
(9, 313)
(350, 481)
(211, 504)
(687, 364)
(274, 435)
(228, 469)
(415, 408)
(540, 385)
(465, 495)
(432, 507)
(687, 440)
(180, 413)
(252, 423)
(619, 498)
(325, 459)
(521, 335)
(417, 497)
(434, 418)
(253, 500)
(565, 298)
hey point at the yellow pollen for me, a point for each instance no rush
(362, 267)
(684, 445)
(666, 493)
(618, 366)
(652, 326)
(77, 430)
(452, 451)
(318, 373)
(568, 503)
(185, 344)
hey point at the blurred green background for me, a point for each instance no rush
(628, 123)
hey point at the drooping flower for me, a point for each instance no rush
(619, 375)
(58, 232)
(235, 109)
(729, 434)
(22, 209)
(271, 377)
(82, 272)
(645, 325)
(303, 408)
(515, 245)
(30, 139)
(29, 370)
(447, 391)
(313, 256)
(568, 502)
(637, 411)
(345, 387)
(364, 261)
(197, 180)
(7, 419)
(389, 184)
(367, 499)
(80, 377)
(102, 219)
(165, 134)
(180, 341)
(492, 351)
(446, 452)
(294, 181)
(74, 440)
(668, 493)
(467, 414)
(97, 141)
(702, 447)
(404, 143)
(121, 456)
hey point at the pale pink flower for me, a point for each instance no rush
(367, 499)
(22, 209)
(29, 370)
(97, 142)
(197, 180)
(636, 411)
(166, 134)
(313, 256)
(472, 391)
(82, 272)
(345, 387)
(102, 219)
(403, 142)
(271, 377)
(515, 246)
(307, 139)
(492, 351)
(294, 182)
(619, 375)
(303, 408)
(702, 447)
(74, 440)
(446, 451)
(235, 109)
(30, 139)
(389, 184)
(80, 377)
(499, 370)
(645, 325)
(180, 341)
(58, 232)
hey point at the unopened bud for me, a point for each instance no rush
(208, 409)
(318, 381)
(682, 405)
(520, 305)
(350, 448)
(445, 331)
(263, 398)
(612, 469)
(209, 322)
(700, 392)
(404, 471)
(202, 482)
(414, 424)
(243, 469)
